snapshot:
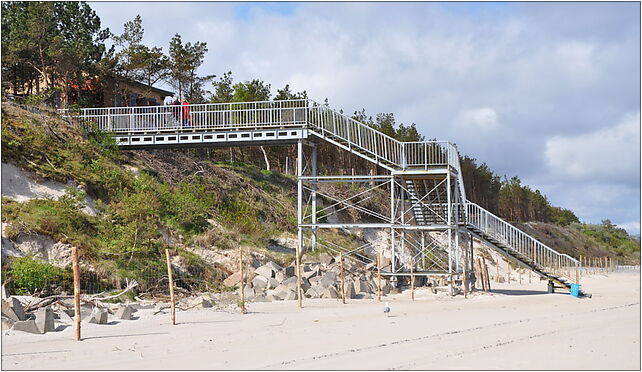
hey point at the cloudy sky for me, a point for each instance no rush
(546, 91)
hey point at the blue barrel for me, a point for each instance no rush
(575, 290)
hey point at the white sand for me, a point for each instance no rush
(519, 327)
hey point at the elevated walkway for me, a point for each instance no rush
(430, 225)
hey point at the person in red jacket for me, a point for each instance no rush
(185, 109)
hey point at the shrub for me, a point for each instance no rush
(28, 275)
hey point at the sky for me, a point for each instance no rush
(548, 91)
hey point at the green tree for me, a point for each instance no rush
(286, 94)
(254, 90)
(223, 89)
(61, 41)
(184, 61)
(135, 61)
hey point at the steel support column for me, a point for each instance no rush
(393, 260)
(450, 235)
(314, 195)
(299, 212)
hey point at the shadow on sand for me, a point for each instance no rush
(519, 292)
(130, 335)
(207, 321)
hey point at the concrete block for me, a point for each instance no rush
(12, 309)
(138, 306)
(282, 294)
(280, 288)
(7, 323)
(325, 258)
(330, 292)
(260, 298)
(249, 291)
(28, 326)
(318, 289)
(289, 271)
(309, 274)
(307, 259)
(305, 284)
(280, 276)
(124, 313)
(385, 261)
(350, 293)
(289, 282)
(98, 316)
(274, 266)
(45, 319)
(364, 296)
(361, 286)
(232, 280)
(328, 279)
(265, 271)
(292, 295)
(272, 283)
(64, 317)
(312, 293)
(260, 282)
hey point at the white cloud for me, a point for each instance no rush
(484, 119)
(633, 227)
(609, 154)
(576, 58)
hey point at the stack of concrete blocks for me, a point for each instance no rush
(15, 318)
(320, 278)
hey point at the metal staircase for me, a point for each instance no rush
(427, 175)
(521, 247)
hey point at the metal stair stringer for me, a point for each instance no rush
(519, 246)
(514, 256)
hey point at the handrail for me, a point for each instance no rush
(260, 114)
(539, 253)
(356, 134)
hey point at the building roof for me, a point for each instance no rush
(152, 88)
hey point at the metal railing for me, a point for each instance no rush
(263, 114)
(356, 134)
(547, 259)
(267, 114)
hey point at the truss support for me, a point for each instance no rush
(422, 225)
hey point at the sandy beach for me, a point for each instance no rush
(515, 327)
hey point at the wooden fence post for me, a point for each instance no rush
(343, 281)
(171, 286)
(242, 305)
(379, 276)
(76, 269)
(298, 280)
(412, 279)
(507, 272)
(487, 276)
(464, 282)
(476, 269)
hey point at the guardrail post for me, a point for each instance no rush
(404, 163)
